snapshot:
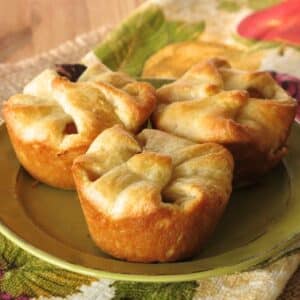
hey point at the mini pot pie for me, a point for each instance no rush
(154, 197)
(54, 120)
(248, 112)
(174, 60)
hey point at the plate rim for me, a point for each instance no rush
(99, 274)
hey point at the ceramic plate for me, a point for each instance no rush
(260, 223)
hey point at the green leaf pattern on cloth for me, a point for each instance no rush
(23, 274)
(141, 35)
(261, 4)
(154, 291)
(229, 5)
(235, 5)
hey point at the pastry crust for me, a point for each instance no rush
(174, 60)
(54, 120)
(249, 113)
(156, 197)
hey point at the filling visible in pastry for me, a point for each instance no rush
(70, 71)
(153, 197)
(59, 114)
(248, 112)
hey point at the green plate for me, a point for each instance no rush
(261, 223)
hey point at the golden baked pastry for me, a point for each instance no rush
(153, 197)
(248, 112)
(174, 60)
(54, 120)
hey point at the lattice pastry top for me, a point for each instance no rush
(248, 112)
(55, 119)
(167, 186)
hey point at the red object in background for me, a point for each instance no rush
(277, 23)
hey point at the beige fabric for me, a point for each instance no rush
(260, 284)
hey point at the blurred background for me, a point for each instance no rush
(29, 27)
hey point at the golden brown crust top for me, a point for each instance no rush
(214, 103)
(126, 176)
(214, 76)
(175, 59)
(64, 114)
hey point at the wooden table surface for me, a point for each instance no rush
(29, 27)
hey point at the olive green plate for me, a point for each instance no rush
(262, 222)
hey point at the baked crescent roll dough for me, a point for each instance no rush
(54, 120)
(153, 197)
(175, 59)
(248, 112)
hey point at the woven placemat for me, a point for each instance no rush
(265, 283)
(18, 74)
